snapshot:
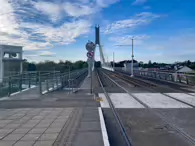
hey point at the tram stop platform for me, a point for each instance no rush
(54, 119)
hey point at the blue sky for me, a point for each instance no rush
(164, 30)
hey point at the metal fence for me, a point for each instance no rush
(45, 80)
(50, 82)
(19, 82)
(174, 77)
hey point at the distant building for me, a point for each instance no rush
(10, 58)
(127, 66)
(184, 69)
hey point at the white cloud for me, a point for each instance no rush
(53, 10)
(33, 35)
(46, 53)
(138, 20)
(139, 2)
(37, 25)
(105, 3)
(8, 22)
(127, 40)
(65, 34)
(77, 9)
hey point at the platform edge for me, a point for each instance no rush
(103, 128)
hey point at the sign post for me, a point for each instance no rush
(90, 46)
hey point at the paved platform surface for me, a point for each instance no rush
(86, 83)
(27, 127)
(54, 119)
(50, 127)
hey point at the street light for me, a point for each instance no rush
(132, 55)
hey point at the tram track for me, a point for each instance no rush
(116, 116)
(156, 113)
(157, 84)
(152, 88)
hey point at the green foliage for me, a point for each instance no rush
(47, 65)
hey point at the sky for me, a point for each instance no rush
(163, 30)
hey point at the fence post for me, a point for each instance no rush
(187, 81)
(47, 86)
(179, 78)
(53, 81)
(29, 81)
(37, 77)
(20, 82)
(56, 81)
(9, 86)
(40, 84)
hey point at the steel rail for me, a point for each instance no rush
(116, 116)
(153, 90)
(183, 133)
(176, 90)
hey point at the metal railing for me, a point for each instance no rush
(50, 82)
(174, 77)
(46, 81)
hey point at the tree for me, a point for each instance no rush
(32, 67)
(149, 64)
(188, 63)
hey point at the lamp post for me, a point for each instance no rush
(132, 55)
(113, 62)
(132, 60)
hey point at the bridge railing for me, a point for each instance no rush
(174, 77)
(45, 80)
(54, 81)
(18, 82)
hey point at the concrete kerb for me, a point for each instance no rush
(103, 128)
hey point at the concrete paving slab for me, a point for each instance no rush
(183, 97)
(2, 135)
(6, 130)
(86, 83)
(42, 125)
(89, 126)
(120, 100)
(37, 130)
(31, 136)
(13, 136)
(2, 125)
(21, 131)
(7, 143)
(44, 143)
(28, 125)
(53, 130)
(157, 100)
(88, 139)
(48, 136)
(5, 121)
(24, 143)
(12, 126)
